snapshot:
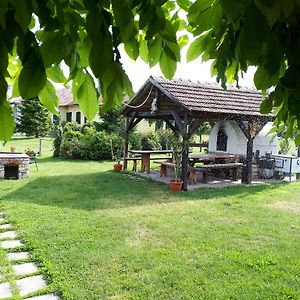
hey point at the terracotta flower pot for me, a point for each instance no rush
(118, 167)
(13, 149)
(175, 185)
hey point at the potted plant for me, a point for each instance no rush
(176, 145)
(116, 155)
(30, 152)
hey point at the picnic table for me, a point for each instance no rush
(146, 157)
(216, 157)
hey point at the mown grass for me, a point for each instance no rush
(103, 235)
(22, 143)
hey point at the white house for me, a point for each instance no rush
(69, 109)
(227, 136)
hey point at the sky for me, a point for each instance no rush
(138, 72)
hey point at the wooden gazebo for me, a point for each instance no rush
(185, 105)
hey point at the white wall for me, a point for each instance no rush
(74, 109)
(237, 142)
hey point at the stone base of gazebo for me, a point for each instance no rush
(213, 182)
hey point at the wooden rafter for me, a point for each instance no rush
(194, 126)
(171, 126)
(178, 122)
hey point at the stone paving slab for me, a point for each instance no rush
(44, 297)
(14, 256)
(24, 269)
(5, 226)
(8, 235)
(11, 244)
(5, 290)
(30, 284)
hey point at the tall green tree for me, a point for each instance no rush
(35, 118)
(37, 36)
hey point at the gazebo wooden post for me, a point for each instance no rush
(185, 155)
(298, 154)
(250, 130)
(126, 143)
(129, 124)
(249, 156)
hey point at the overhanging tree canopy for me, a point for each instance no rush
(86, 35)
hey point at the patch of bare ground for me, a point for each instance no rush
(143, 235)
(286, 206)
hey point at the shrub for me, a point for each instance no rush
(87, 143)
(165, 137)
(57, 135)
(150, 141)
(285, 146)
(135, 140)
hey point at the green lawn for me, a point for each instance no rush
(23, 143)
(102, 235)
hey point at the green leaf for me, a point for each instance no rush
(48, 98)
(287, 6)
(266, 106)
(101, 54)
(184, 4)
(204, 15)
(52, 50)
(7, 124)
(263, 80)
(196, 48)
(23, 11)
(132, 48)
(87, 97)
(83, 51)
(167, 65)
(56, 74)
(183, 40)
(155, 49)
(3, 10)
(15, 88)
(143, 50)
(291, 78)
(32, 77)
(233, 9)
(77, 82)
(246, 53)
(3, 58)
(297, 140)
(174, 48)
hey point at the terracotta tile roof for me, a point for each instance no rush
(65, 97)
(210, 97)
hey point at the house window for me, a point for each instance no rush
(222, 139)
(55, 119)
(69, 116)
(78, 117)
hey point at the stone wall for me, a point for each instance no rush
(14, 159)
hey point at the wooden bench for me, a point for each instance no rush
(164, 165)
(135, 160)
(166, 158)
(233, 167)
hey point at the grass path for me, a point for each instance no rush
(103, 235)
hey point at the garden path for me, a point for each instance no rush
(23, 277)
